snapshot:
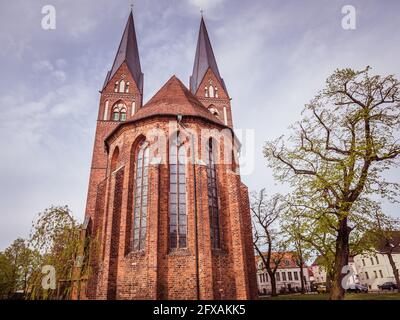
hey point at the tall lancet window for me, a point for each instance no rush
(140, 197)
(211, 91)
(177, 193)
(213, 196)
(122, 86)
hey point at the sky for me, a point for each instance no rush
(274, 56)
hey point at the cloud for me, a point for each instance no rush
(45, 67)
(207, 4)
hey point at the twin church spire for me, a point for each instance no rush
(204, 60)
(128, 52)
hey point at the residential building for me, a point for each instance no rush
(287, 276)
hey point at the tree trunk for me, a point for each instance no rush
(395, 270)
(273, 283)
(303, 290)
(341, 260)
(328, 282)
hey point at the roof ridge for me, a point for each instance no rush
(190, 97)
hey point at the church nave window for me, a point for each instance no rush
(140, 197)
(177, 194)
(213, 196)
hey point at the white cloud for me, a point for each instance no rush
(47, 69)
(206, 4)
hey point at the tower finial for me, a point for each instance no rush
(131, 6)
(201, 12)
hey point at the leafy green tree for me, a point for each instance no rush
(17, 264)
(55, 234)
(7, 280)
(336, 155)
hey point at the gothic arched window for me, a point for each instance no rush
(211, 91)
(106, 107)
(212, 196)
(123, 114)
(206, 91)
(140, 196)
(119, 112)
(213, 110)
(122, 86)
(116, 86)
(115, 115)
(127, 87)
(177, 193)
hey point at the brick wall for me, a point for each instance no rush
(159, 272)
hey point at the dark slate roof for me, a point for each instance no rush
(203, 60)
(128, 52)
(171, 100)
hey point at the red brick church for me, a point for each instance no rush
(166, 206)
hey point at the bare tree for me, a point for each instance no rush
(293, 227)
(337, 153)
(386, 240)
(267, 239)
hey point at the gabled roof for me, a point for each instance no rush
(171, 100)
(204, 60)
(128, 52)
(287, 260)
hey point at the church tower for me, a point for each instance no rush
(206, 82)
(168, 213)
(121, 96)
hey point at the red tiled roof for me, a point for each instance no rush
(288, 261)
(171, 100)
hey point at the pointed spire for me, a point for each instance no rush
(203, 60)
(128, 52)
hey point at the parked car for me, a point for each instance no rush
(388, 286)
(358, 288)
(321, 288)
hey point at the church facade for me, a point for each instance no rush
(169, 214)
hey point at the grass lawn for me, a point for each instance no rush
(349, 296)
